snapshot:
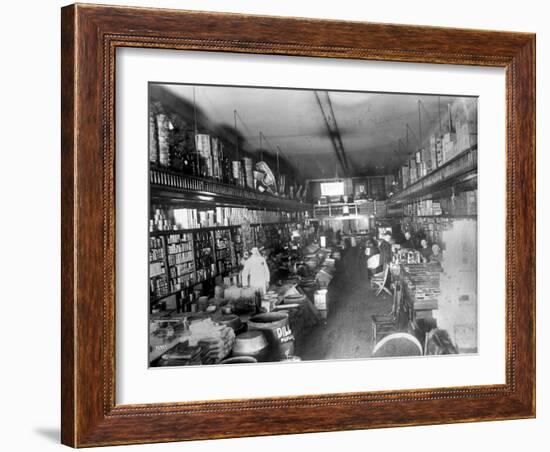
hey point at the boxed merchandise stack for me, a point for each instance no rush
(431, 227)
(248, 172)
(449, 146)
(439, 158)
(217, 151)
(404, 176)
(428, 157)
(462, 137)
(237, 172)
(153, 150)
(413, 172)
(425, 208)
(163, 125)
(204, 149)
(433, 154)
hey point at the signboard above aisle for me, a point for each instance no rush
(332, 188)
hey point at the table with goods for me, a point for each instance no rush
(411, 327)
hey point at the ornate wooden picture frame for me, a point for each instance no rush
(90, 37)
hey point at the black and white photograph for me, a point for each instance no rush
(290, 225)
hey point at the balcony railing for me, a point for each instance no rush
(171, 186)
(447, 174)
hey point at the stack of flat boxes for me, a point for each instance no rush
(440, 150)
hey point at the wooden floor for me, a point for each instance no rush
(347, 333)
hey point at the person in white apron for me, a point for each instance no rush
(256, 272)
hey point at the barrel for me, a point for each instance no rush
(398, 344)
(218, 291)
(240, 360)
(276, 329)
(202, 303)
(251, 343)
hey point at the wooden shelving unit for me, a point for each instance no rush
(176, 251)
(158, 276)
(269, 232)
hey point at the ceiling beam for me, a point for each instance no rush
(325, 105)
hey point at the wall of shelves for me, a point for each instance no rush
(181, 261)
(272, 235)
(183, 258)
(158, 278)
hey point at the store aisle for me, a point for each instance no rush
(347, 333)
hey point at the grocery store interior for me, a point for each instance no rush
(300, 225)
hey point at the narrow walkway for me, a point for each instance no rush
(347, 333)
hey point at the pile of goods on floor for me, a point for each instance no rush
(203, 341)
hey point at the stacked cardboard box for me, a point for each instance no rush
(450, 149)
(413, 172)
(462, 137)
(404, 176)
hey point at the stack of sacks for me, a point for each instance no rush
(215, 340)
(182, 355)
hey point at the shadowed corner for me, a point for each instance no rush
(50, 433)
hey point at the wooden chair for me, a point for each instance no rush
(386, 324)
(380, 281)
(382, 325)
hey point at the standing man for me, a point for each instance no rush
(425, 250)
(385, 250)
(436, 255)
(408, 243)
(256, 272)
